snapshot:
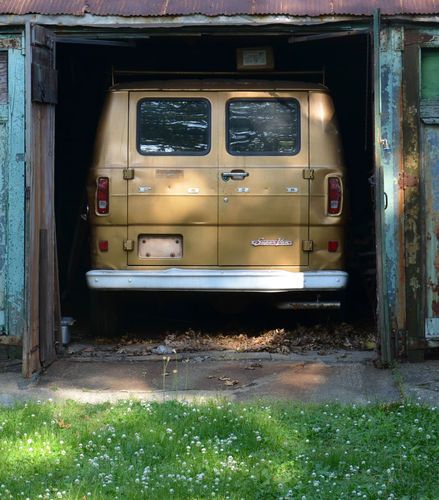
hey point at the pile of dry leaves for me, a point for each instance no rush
(279, 340)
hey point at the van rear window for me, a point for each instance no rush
(173, 126)
(265, 127)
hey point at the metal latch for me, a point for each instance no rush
(308, 173)
(128, 245)
(385, 144)
(128, 173)
(307, 245)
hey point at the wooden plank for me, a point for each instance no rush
(31, 359)
(45, 313)
(44, 84)
(16, 193)
(56, 298)
(11, 186)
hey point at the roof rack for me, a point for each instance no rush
(315, 76)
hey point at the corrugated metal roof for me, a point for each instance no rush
(147, 8)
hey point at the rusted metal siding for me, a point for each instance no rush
(45, 7)
(413, 217)
(129, 8)
(391, 163)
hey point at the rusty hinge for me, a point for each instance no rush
(406, 180)
(128, 173)
(307, 245)
(128, 245)
(308, 173)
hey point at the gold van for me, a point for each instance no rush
(225, 186)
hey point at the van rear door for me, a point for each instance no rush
(173, 179)
(263, 180)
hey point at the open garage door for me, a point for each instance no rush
(41, 275)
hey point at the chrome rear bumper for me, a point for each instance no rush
(216, 280)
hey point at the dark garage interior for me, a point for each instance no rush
(86, 69)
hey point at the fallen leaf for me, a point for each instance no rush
(63, 425)
(231, 382)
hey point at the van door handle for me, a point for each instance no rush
(235, 175)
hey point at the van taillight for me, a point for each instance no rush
(102, 196)
(334, 196)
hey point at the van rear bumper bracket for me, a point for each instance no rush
(216, 280)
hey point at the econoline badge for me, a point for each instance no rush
(280, 242)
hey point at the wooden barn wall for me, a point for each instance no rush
(12, 187)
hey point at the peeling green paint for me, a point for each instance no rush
(12, 189)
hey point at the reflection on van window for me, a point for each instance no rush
(263, 127)
(173, 126)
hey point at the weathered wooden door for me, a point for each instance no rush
(42, 289)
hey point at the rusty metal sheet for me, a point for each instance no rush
(345, 7)
(45, 7)
(146, 8)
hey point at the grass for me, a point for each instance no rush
(176, 450)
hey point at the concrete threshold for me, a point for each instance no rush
(342, 376)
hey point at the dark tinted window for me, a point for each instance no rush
(173, 126)
(263, 127)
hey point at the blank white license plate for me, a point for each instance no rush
(160, 246)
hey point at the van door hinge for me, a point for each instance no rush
(128, 245)
(307, 245)
(308, 173)
(128, 173)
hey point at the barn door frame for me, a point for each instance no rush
(42, 291)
